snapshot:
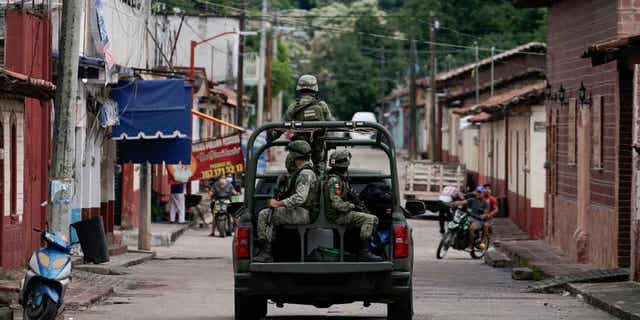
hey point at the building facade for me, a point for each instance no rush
(589, 171)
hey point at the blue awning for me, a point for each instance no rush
(155, 121)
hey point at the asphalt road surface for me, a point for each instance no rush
(193, 281)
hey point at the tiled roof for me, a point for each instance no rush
(443, 76)
(603, 52)
(21, 84)
(529, 47)
(229, 94)
(505, 98)
(481, 117)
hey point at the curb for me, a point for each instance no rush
(150, 256)
(596, 302)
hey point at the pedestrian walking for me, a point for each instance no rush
(177, 204)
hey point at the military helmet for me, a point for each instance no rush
(340, 159)
(299, 149)
(307, 82)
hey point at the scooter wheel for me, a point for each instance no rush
(47, 310)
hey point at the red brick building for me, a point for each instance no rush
(25, 92)
(589, 167)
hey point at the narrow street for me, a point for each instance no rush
(193, 280)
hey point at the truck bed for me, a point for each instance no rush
(321, 267)
(426, 179)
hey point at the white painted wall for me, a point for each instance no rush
(131, 45)
(538, 174)
(218, 56)
(470, 154)
(7, 109)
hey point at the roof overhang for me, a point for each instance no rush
(605, 52)
(24, 85)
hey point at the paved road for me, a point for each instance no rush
(193, 281)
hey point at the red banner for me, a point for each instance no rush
(210, 159)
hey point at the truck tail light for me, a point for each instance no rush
(401, 242)
(242, 243)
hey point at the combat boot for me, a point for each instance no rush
(265, 253)
(365, 253)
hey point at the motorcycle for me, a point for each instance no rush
(224, 221)
(47, 278)
(457, 236)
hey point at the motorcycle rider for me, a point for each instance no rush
(341, 204)
(479, 212)
(308, 107)
(221, 189)
(299, 201)
(493, 210)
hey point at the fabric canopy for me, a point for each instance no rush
(155, 121)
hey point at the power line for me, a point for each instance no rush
(280, 17)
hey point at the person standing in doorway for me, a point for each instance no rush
(177, 204)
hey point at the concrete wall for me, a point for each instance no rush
(471, 149)
(218, 57)
(537, 172)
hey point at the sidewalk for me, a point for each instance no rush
(162, 234)
(606, 289)
(91, 283)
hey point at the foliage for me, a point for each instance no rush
(281, 77)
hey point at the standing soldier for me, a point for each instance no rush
(297, 204)
(341, 210)
(308, 107)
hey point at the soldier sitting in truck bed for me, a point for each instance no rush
(340, 205)
(297, 204)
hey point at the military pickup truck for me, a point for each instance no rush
(296, 277)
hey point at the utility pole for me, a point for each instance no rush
(434, 90)
(413, 148)
(269, 53)
(240, 84)
(144, 215)
(261, 68)
(63, 151)
(493, 52)
(477, 70)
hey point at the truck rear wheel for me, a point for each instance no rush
(249, 308)
(402, 309)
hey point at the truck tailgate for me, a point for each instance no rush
(321, 267)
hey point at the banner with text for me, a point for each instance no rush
(210, 159)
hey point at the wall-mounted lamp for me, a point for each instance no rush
(582, 95)
(562, 95)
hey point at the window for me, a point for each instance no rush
(2, 36)
(13, 166)
(571, 135)
(597, 129)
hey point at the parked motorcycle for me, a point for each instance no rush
(47, 277)
(457, 236)
(224, 221)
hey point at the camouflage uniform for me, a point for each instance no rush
(297, 207)
(340, 203)
(308, 107)
(300, 200)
